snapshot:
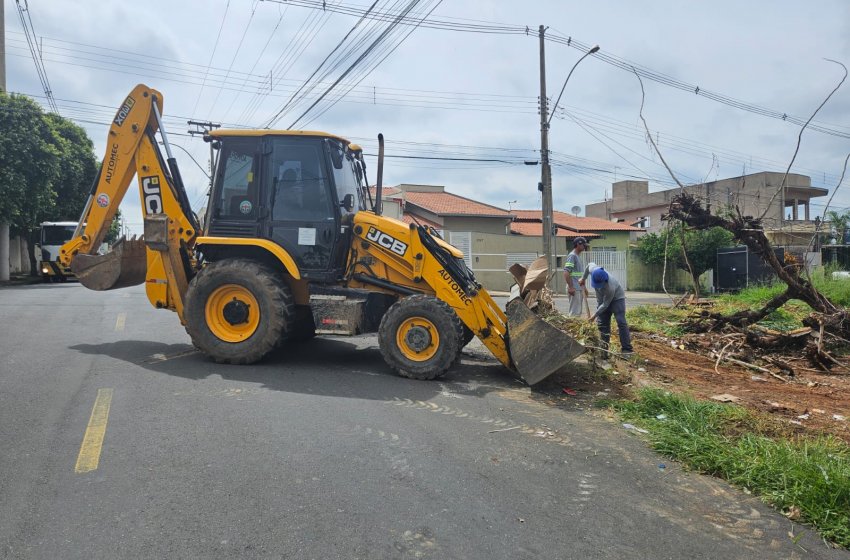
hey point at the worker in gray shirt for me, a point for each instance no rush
(610, 300)
(572, 272)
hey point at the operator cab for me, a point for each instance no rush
(298, 189)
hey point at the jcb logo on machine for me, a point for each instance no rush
(152, 194)
(122, 113)
(386, 241)
(455, 286)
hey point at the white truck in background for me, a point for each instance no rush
(51, 238)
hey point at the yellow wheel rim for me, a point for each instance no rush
(232, 313)
(418, 339)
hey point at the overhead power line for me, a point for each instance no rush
(670, 81)
(475, 26)
(212, 55)
(32, 42)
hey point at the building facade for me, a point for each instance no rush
(788, 218)
(492, 238)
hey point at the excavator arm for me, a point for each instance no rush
(163, 260)
(406, 259)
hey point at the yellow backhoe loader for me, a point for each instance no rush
(293, 245)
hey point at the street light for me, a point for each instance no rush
(548, 226)
(555, 106)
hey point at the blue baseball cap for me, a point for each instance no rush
(598, 277)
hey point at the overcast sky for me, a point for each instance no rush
(472, 95)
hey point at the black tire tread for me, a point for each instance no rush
(443, 317)
(272, 294)
(467, 336)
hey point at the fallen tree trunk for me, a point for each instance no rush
(748, 230)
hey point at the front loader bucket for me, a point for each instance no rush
(537, 348)
(124, 265)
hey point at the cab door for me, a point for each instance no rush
(303, 216)
(237, 195)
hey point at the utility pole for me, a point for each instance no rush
(4, 226)
(545, 169)
(2, 49)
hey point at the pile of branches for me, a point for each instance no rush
(828, 320)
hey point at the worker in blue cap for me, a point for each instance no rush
(610, 300)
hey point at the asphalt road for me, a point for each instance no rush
(322, 453)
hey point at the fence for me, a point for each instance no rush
(612, 261)
(648, 277)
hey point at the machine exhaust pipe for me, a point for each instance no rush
(379, 187)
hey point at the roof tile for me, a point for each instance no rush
(536, 229)
(576, 223)
(446, 204)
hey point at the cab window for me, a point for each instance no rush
(299, 180)
(56, 235)
(237, 177)
(345, 178)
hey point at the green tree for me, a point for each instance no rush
(77, 169)
(840, 222)
(47, 166)
(700, 245)
(29, 163)
(114, 231)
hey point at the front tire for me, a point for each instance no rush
(238, 310)
(420, 337)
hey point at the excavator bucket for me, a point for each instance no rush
(124, 265)
(537, 348)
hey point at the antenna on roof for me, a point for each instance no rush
(576, 210)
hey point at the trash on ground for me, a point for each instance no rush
(839, 417)
(793, 513)
(504, 430)
(661, 417)
(726, 397)
(635, 428)
(570, 392)
(662, 466)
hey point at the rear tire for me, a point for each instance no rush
(238, 310)
(420, 337)
(303, 326)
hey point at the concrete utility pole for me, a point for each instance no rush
(4, 227)
(545, 169)
(2, 48)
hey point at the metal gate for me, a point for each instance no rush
(614, 262)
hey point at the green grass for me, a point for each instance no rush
(660, 319)
(836, 290)
(812, 474)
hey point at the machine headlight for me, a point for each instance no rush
(45, 270)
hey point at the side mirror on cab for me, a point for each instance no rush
(348, 202)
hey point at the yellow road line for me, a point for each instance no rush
(89, 456)
(119, 322)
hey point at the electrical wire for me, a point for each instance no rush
(212, 55)
(29, 32)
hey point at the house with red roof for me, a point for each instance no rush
(493, 238)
